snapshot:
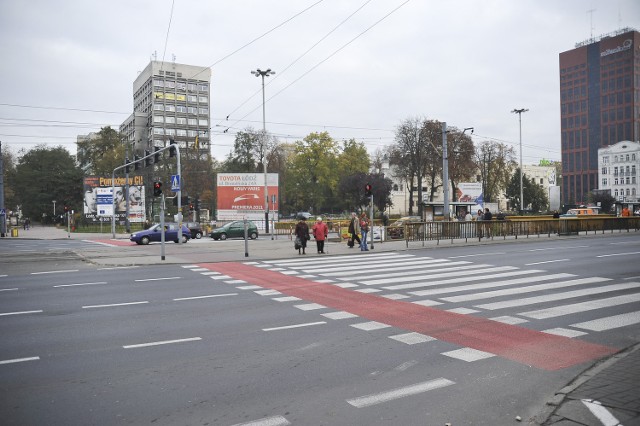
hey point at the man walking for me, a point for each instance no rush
(354, 230)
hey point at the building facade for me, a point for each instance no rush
(171, 102)
(619, 165)
(600, 105)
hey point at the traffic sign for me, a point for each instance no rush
(3, 212)
(175, 183)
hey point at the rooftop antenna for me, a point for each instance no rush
(154, 55)
(590, 12)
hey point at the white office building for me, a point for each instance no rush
(170, 102)
(618, 167)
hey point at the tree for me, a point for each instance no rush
(460, 151)
(533, 193)
(602, 198)
(312, 172)
(46, 174)
(412, 154)
(103, 153)
(495, 162)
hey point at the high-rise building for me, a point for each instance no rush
(170, 102)
(600, 105)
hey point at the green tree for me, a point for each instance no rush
(602, 198)
(46, 174)
(100, 155)
(460, 151)
(312, 177)
(534, 195)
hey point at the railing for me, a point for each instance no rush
(428, 231)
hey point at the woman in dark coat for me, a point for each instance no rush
(302, 234)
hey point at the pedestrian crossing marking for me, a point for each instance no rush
(609, 323)
(370, 325)
(412, 338)
(456, 281)
(468, 354)
(574, 308)
(339, 315)
(559, 331)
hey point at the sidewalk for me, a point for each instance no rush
(606, 394)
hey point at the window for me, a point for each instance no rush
(158, 107)
(604, 171)
(203, 87)
(203, 99)
(170, 108)
(615, 171)
(192, 110)
(203, 110)
(158, 83)
(182, 86)
(158, 131)
(170, 84)
(170, 132)
(181, 108)
(158, 119)
(192, 87)
(615, 181)
(203, 122)
(181, 132)
(604, 181)
(541, 181)
(192, 98)
(193, 122)
(192, 133)
(181, 120)
(627, 157)
(170, 120)
(605, 160)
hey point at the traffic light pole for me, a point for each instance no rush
(178, 192)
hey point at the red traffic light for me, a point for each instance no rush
(157, 189)
(367, 190)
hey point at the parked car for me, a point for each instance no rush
(303, 215)
(154, 234)
(195, 228)
(235, 230)
(396, 229)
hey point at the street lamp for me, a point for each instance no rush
(519, 112)
(263, 74)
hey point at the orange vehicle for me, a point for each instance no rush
(581, 211)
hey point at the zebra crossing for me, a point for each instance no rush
(467, 287)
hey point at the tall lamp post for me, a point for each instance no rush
(519, 112)
(263, 74)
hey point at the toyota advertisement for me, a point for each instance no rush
(241, 195)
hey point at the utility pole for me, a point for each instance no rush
(3, 218)
(263, 74)
(445, 172)
(519, 112)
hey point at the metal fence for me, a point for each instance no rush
(428, 231)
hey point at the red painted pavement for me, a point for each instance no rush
(115, 243)
(535, 348)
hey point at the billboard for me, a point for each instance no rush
(97, 192)
(241, 195)
(470, 192)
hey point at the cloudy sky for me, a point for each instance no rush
(353, 68)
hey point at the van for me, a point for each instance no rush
(581, 211)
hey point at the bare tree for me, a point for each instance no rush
(495, 162)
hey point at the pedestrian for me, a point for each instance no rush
(354, 230)
(364, 229)
(320, 233)
(479, 219)
(626, 212)
(302, 234)
(468, 217)
(556, 215)
(487, 217)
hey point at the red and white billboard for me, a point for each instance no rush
(241, 195)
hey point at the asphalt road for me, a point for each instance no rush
(321, 340)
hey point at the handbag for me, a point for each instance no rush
(297, 243)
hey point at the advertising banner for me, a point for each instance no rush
(241, 195)
(98, 196)
(471, 192)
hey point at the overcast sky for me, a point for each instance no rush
(353, 68)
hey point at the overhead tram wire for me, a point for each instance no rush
(64, 109)
(166, 40)
(256, 39)
(328, 57)
(299, 58)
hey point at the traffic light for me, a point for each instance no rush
(197, 204)
(66, 209)
(367, 190)
(127, 168)
(172, 150)
(136, 162)
(190, 206)
(157, 189)
(147, 160)
(156, 156)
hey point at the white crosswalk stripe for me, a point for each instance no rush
(454, 284)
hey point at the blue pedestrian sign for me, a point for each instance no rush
(175, 183)
(3, 212)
